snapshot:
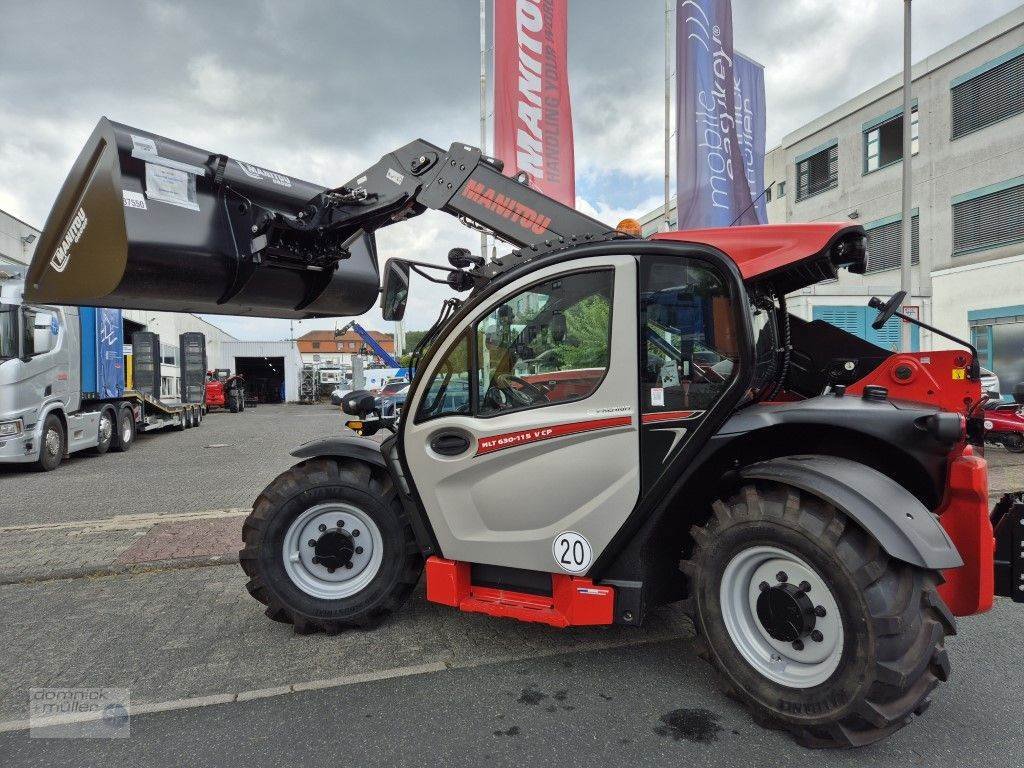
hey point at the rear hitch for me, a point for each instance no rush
(1008, 525)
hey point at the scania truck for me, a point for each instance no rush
(62, 383)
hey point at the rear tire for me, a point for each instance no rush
(284, 524)
(1014, 443)
(124, 438)
(53, 445)
(889, 638)
(107, 429)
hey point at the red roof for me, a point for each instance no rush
(765, 248)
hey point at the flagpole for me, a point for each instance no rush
(906, 230)
(483, 101)
(668, 105)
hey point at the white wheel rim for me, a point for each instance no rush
(52, 441)
(775, 659)
(126, 430)
(106, 427)
(315, 579)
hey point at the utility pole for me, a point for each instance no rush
(906, 228)
(668, 105)
(483, 101)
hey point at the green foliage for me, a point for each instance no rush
(587, 334)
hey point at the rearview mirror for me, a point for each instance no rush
(395, 291)
(557, 327)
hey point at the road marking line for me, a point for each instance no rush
(413, 670)
(127, 522)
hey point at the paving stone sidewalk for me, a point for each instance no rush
(40, 553)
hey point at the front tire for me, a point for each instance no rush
(54, 444)
(1014, 443)
(809, 623)
(329, 546)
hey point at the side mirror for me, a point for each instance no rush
(558, 327)
(359, 403)
(886, 309)
(395, 291)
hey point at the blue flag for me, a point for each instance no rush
(711, 181)
(750, 127)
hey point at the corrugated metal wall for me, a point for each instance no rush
(227, 351)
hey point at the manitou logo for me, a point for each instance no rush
(530, 35)
(62, 256)
(506, 207)
(254, 172)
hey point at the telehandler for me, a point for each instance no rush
(604, 424)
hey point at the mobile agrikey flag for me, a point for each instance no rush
(711, 179)
(532, 114)
(750, 127)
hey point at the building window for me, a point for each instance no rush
(781, 186)
(768, 194)
(351, 345)
(883, 141)
(316, 345)
(168, 354)
(885, 243)
(989, 217)
(988, 94)
(817, 172)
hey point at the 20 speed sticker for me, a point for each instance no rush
(572, 552)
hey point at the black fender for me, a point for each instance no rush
(343, 446)
(901, 524)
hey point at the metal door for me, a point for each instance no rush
(539, 469)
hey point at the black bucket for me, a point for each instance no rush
(145, 222)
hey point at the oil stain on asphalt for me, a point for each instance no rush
(697, 725)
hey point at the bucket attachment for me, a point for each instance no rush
(144, 222)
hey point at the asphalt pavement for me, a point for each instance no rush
(649, 703)
(214, 682)
(225, 462)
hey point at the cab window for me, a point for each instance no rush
(448, 392)
(549, 344)
(689, 351)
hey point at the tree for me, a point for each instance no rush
(587, 325)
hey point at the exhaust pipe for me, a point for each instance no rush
(145, 222)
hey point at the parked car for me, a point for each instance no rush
(338, 393)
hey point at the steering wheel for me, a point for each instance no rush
(886, 309)
(501, 394)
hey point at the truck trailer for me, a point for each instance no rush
(62, 383)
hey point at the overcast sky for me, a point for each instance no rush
(320, 90)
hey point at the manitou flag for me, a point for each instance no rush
(750, 127)
(711, 183)
(532, 115)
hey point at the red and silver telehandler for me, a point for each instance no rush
(601, 424)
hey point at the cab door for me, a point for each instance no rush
(523, 436)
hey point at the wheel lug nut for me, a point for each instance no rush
(341, 523)
(359, 550)
(330, 570)
(312, 542)
(798, 645)
(355, 532)
(315, 559)
(782, 576)
(322, 527)
(816, 636)
(819, 611)
(763, 586)
(805, 586)
(348, 565)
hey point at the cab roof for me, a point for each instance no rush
(792, 256)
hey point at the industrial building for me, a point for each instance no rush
(968, 197)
